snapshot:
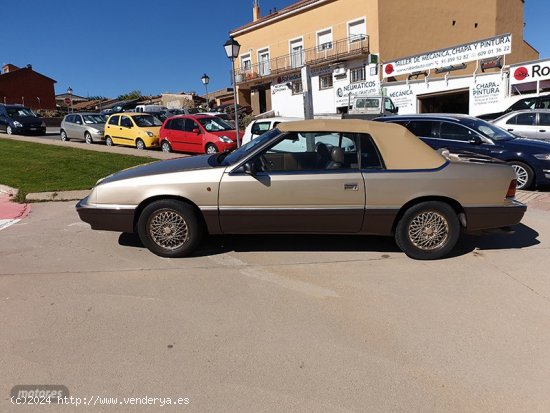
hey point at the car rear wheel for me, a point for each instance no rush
(428, 231)
(108, 141)
(524, 174)
(140, 144)
(88, 138)
(166, 146)
(64, 136)
(211, 148)
(170, 228)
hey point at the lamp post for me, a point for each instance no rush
(205, 79)
(70, 93)
(232, 48)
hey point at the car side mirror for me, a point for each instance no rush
(396, 110)
(249, 168)
(476, 140)
(197, 131)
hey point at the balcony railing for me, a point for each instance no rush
(315, 56)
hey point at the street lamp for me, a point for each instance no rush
(232, 48)
(205, 79)
(70, 93)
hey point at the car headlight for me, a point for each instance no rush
(17, 124)
(97, 131)
(150, 134)
(542, 156)
(225, 139)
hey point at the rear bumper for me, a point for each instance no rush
(106, 219)
(478, 218)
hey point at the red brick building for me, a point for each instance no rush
(27, 87)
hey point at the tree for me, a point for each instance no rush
(134, 94)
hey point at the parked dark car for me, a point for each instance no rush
(462, 133)
(532, 102)
(18, 119)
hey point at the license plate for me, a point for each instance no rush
(33, 128)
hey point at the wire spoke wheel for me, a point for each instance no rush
(428, 230)
(168, 229)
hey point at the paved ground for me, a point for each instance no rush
(281, 324)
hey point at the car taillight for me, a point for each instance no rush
(512, 189)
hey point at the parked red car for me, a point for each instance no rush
(197, 134)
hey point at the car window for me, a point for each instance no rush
(20, 112)
(311, 151)
(527, 103)
(125, 122)
(370, 158)
(544, 119)
(214, 124)
(93, 119)
(544, 102)
(260, 127)
(420, 128)
(455, 132)
(78, 119)
(113, 120)
(190, 125)
(526, 119)
(388, 105)
(178, 124)
(69, 119)
(144, 121)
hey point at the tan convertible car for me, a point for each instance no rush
(317, 176)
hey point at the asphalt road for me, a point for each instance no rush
(279, 324)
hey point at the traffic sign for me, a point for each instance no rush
(67, 101)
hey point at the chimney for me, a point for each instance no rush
(256, 10)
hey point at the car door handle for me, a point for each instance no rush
(351, 187)
(542, 130)
(509, 130)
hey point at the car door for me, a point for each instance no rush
(177, 133)
(294, 187)
(544, 125)
(126, 131)
(459, 138)
(191, 137)
(523, 124)
(112, 128)
(78, 127)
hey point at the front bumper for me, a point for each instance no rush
(479, 218)
(38, 130)
(106, 219)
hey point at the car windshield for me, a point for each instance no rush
(93, 119)
(488, 129)
(214, 124)
(235, 156)
(146, 120)
(19, 112)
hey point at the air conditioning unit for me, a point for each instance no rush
(339, 71)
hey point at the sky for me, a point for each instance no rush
(111, 47)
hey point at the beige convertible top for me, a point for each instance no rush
(400, 149)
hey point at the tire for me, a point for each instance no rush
(9, 130)
(140, 144)
(108, 141)
(210, 148)
(64, 136)
(419, 239)
(165, 147)
(158, 223)
(88, 138)
(524, 174)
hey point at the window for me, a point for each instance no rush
(358, 74)
(544, 119)
(388, 105)
(528, 119)
(297, 87)
(527, 103)
(324, 40)
(246, 63)
(370, 158)
(113, 120)
(420, 128)
(325, 81)
(190, 125)
(263, 61)
(454, 132)
(544, 102)
(70, 119)
(78, 119)
(125, 122)
(357, 30)
(260, 127)
(297, 53)
(312, 151)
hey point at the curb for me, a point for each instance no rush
(57, 196)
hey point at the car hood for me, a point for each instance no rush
(160, 167)
(520, 144)
(99, 126)
(153, 129)
(28, 120)
(231, 134)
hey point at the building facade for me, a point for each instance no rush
(344, 43)
(27, 87)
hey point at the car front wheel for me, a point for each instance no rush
(140, 144)
(524, 174)
(428, 230)
(170, 228)
(211, 148)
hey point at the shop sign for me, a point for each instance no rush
(486, 94)
(468, 52)
(369, 87)
(530, 72)
(403, 97)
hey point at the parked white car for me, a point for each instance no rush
(532, 123)
(259, 126)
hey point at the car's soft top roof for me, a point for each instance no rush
(399, 148)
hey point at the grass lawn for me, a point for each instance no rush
(34, 167)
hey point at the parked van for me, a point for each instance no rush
(150, 108)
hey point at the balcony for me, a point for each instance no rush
(342, 49)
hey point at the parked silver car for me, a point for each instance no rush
(84, 126)
(534, 123)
